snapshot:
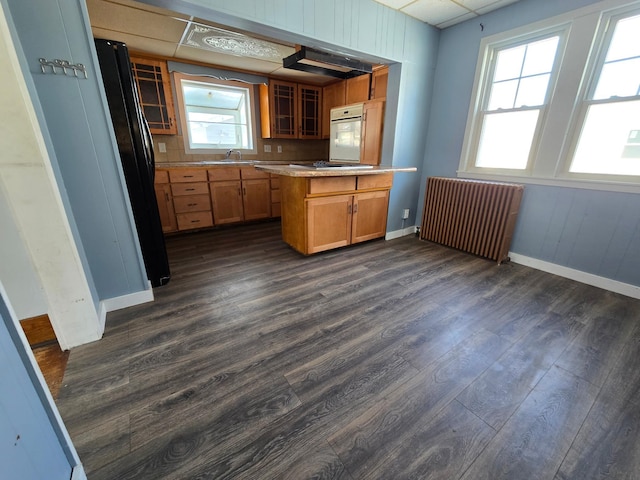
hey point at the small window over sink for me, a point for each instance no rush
(216, 115)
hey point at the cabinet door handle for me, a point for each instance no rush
(244, 191)
(166, 197)
(355, 208)
(189, 189)
(239, 192)
(349, 209)
(187, 176)
(192, 204)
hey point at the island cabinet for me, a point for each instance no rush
(165, 201)
(239, 194)
(321, 213)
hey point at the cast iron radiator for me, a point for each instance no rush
(473, 216)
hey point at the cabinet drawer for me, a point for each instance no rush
(251, 172)
(188, 221)
(188, 175)
(383, 180)
(275, 196)
(275, 182)
(162, 176)
(223, 173)
(192, 203)
(331, 184)
(189, 189)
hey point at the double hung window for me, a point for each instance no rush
(609, 141)
(558, 102)
(516, 96)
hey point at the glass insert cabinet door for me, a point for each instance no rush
(154, 91)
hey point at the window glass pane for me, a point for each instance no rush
(218, 116)
(625, 42)
(503, 94)
(509, 63)
(540, 56)
(532, 91)
(506, 139)
(610, 140)
(621, 79)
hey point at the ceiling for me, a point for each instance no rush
(445, 13)
(157, 31)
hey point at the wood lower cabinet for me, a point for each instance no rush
(244, 195)
(328, 222)
(226, 198)
(164, 198)
(368, 222)
(256, 198)
(329, 212)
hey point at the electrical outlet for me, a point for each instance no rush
(267, 148)
(162, 147)
(405, 214)
(279, 148)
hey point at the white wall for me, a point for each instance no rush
(32, 195)
(17, 273)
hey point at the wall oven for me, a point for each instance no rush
(346, 132)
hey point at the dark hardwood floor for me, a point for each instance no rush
(386, 360)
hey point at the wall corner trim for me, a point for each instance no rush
(615, 286)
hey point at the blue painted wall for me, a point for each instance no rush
(33, 446)
(79, 136)
(592, 231)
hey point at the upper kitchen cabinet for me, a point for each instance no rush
(333, 95)
(372, 127)
(379, 80)
(154, 90)
(357, 89)
(290, 110)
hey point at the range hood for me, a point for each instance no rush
(324, 63)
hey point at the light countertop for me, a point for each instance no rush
(298, 171)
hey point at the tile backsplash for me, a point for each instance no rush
(292, 150)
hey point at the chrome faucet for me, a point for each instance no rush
(229, 152)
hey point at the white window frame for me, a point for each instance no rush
(252, 111)
(552, 148)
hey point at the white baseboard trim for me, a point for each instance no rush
(400, 233)
(577, 275)
(78, 473)
(124, 301)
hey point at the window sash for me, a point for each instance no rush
(215, 137)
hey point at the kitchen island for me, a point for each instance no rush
(329, 208)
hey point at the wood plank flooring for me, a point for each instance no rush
(391, 360)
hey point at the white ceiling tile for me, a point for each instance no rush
(494, 6)
(434, 11)
(453, 21)
(395, 4)
(141, 23)
(135, 42)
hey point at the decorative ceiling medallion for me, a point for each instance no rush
(231, 43)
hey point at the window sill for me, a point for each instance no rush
(554, 182)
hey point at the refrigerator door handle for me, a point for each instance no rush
(149, 148)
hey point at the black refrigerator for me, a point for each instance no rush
(136, 155)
